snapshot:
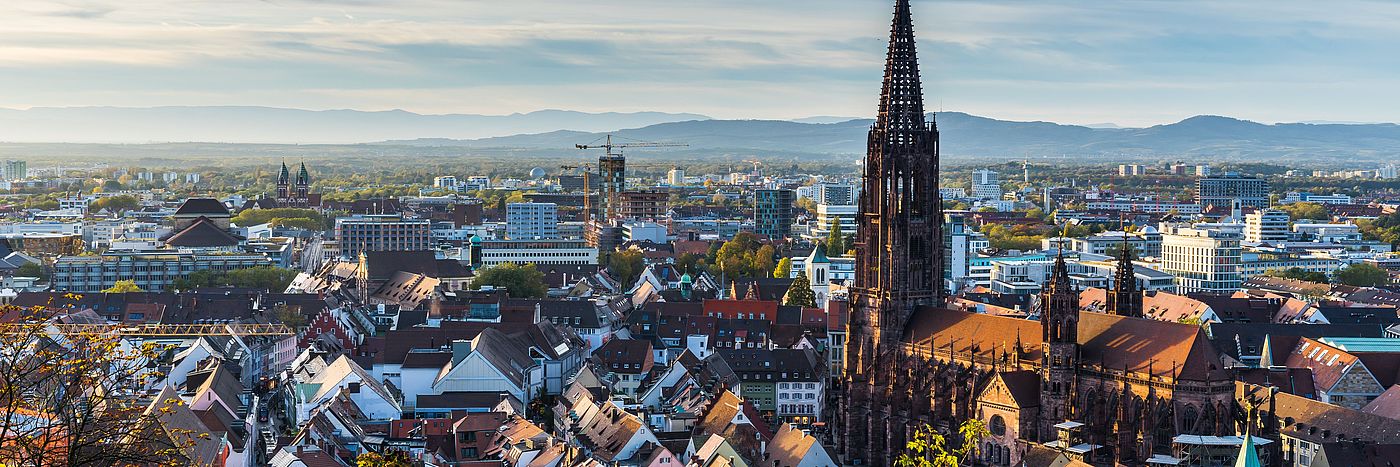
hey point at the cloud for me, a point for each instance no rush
(1053, 60)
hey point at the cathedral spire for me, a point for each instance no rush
(285, 176)
(902, 98)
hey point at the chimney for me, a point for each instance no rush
(461, 348)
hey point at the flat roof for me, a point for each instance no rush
(1363, 344)
(1218, 440)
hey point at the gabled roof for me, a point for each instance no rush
(202, 207)
(202, 233)
(1387, 405)
(509, 356)
(1109, 340)
(1328, 364)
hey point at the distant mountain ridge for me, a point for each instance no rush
(251, 124)
(964, 135)
(548, 133)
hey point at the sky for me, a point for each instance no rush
(1132, 63)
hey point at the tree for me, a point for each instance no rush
(260, 277)
(746, 256)
(123, 286)
(1301, 211)
(32, 270)
(1297, 274)
(835, 239)
(289, 315)
(800, 292)
(115, 204)
(626, 266)
(784, 268)
(519, 281)
(1363, 275)
(78, 399)
(930, 449)
(389, 458)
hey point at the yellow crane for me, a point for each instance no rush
(587, 188)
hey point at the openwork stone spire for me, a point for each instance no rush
(902, 99)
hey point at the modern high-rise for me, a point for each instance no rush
(837, 194)
(16, 170)
(532, 221)
(1131, 170)
(382, 233)
(772, 212)
(1266, 225)
(1386, 172)
(986, 184)
(1203, 259)
(1224, 190)
(675, 177)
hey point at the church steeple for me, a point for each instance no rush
(1059, 322)
(899, 253)
(303, 187)
(1124, 299)
(284, 182)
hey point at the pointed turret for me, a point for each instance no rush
(303, 177)
(1248, 456)
(1124, 299)
(285, 176)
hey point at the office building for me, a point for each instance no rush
(675, 177)
(447, 182)
(837, 194)
(382, 233)
(1131, 170)
(772, 213)
(986, 184)
(1266, 225)
(532, 220)
(152, 271)
(1202, 258)
(539, 252)
(1226, 189)
(643, 205)
(16, 170)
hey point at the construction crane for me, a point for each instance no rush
(757, 167)
(171, 330)
(587, 188)
(612, 167)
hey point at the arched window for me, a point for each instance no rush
(998, 426)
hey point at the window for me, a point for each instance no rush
(998, 426)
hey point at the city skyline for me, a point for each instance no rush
(1133, 64)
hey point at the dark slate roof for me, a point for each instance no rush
(576, 313)
(202, 207)
(459, 400)
(626, 356)
(432, 359)
(203, 233)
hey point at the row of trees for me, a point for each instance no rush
(1359, 275)
(309, 219)
(259, 277)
